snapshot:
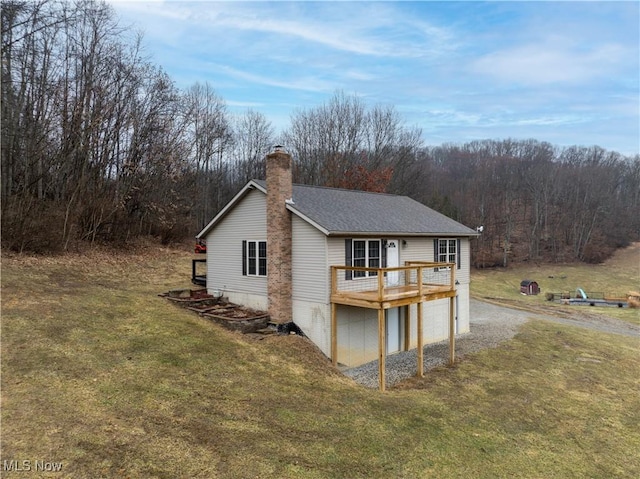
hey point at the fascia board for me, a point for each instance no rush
(398, 234)
(293, 210)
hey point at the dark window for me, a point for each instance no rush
(262, 258)
(359, 257)
(256, 258)
(365, 254)
(251, 254)
(447, 251)
(374, 256)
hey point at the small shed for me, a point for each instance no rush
(528, 287)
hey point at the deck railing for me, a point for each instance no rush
(415, 278)
(435, 274)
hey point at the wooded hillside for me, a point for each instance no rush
(98, 144)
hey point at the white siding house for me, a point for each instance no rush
(336, 227)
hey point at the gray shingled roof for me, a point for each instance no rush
(339, 211)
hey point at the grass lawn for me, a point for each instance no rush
(619, 274)
(103, 376)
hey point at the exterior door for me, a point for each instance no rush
(393, 260)
(394, 329)
(394, 325)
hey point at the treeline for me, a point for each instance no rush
(98, 144)
(534, 201)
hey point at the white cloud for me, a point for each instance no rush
(244, 104)
(494, 69)
(377, 30)
(550, 120)
(555, 60)
(304, 83)
(453, 117)
(359, 75)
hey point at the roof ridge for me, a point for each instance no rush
(346, 189)
(333, 188)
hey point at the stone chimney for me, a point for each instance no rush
(279, 242)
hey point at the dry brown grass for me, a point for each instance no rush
(100, 374)
(615, 277)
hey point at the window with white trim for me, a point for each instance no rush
(366, 254)
(446, 251)
(254, 258)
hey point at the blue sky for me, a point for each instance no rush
(563, 72)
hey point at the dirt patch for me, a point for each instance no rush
(229, 311)
(574, 315)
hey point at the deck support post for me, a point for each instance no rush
(406, 311)
(381, 349)
(395, 296)
(420, 351)
(334, 334)
(452, 331)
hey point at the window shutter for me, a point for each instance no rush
(348, 252)
(383, 253)
(435, 250)
(458, 255)
(244, 258)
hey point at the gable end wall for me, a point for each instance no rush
(246, 221)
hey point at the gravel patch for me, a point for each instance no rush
(490, 325)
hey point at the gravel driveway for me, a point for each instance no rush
(491, 324)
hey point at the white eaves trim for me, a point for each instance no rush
(292, 208)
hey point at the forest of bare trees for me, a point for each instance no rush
(99, 145)
(534, 201)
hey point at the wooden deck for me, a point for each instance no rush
(384, 288)
(416, 282)
(392, 296)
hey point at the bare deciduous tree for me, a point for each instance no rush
(253, 139)
(344, 134)
(99, 144)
